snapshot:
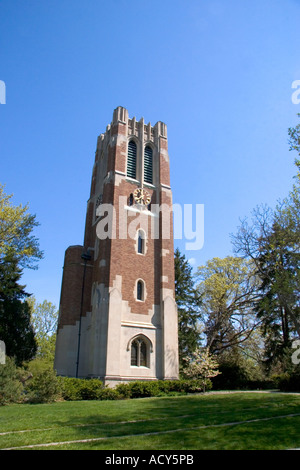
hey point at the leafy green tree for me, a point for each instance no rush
(10, 385)
(15, 326)
(278, 263)
(229, 289)
(19, 249)
(272, 241)
(44, 317)
(294, 139)
(16, 238)
(43, 386)
(201, 365)
(188, 303)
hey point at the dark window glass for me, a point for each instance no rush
(140, 288)
(134, 353)
(140, 243)
(143, 354)
(131, 160)
(148, 165)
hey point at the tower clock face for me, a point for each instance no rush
(141, 196)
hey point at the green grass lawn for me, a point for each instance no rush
(212, 421)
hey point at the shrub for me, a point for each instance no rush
(278, 378)
(165, 387)
(123, 390)
(81, 389)
(232, 377)
(143, 389)
(266, 384)
(289, 382)
(10, 386)
(90, 389)
(109, 394)
(191, 385)
(70, 388)
(44, 386)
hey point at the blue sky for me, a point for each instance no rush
(219, 73)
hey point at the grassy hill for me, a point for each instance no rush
(210, 421)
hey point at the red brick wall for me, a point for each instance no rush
(72, 282)
(121, 258)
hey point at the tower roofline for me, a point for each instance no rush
(120, 115)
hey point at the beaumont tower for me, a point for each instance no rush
(118, 316)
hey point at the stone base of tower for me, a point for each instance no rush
(109, 335)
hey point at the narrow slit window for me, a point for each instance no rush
(148, 165)
(140, 290)
(131, 160)
(141, 243)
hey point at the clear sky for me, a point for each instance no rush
(219, 73)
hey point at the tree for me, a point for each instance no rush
(229, 289)
(272, 241)
(43, 385)
(201, 365)
(18, 249)
(188, 303)
(44, 319)
(294, 139)
(15, 327)
(16, 238)
(10, 386)
(278, 265)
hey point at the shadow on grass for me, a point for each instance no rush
(183, 423)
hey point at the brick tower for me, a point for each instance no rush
(118, 317)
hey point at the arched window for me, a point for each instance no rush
(140, 290)
(148, 165)
(141, 242)
(140, 352)
(131, 160)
